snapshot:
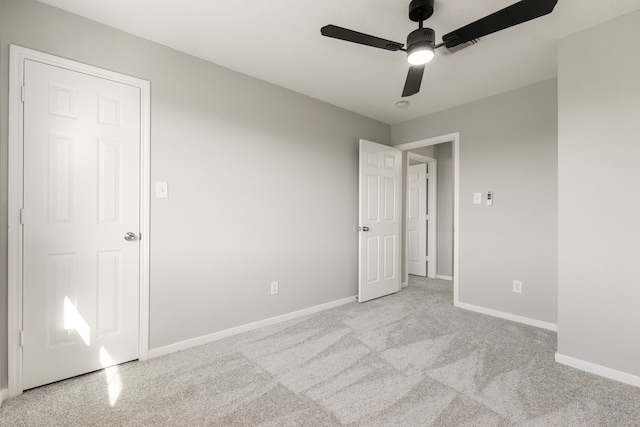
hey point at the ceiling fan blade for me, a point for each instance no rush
(517, 13)
(361, 38)
(414, 80)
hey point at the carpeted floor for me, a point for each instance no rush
(409, 359)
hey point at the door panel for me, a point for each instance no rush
(379, 241)
(81, 195)
(417, 219)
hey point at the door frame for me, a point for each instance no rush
(454, 138)
(432, 203)
(18, 55)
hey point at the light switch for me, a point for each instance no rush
(477, 198)
(162, 191)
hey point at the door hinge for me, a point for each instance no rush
(21, 216)
(21, 339)
(22, 92)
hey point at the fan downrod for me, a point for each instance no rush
(420, 10)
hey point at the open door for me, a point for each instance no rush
(379, 216)
(417, 220)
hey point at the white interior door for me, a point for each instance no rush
(81, 196)
(417, 220)
(379, 215)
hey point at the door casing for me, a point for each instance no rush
(18, 55)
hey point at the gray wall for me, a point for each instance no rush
(444, 154)
(508, 145)
(599, 195)
(263, 182)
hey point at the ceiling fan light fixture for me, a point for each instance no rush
(420, 46)
(420, 54)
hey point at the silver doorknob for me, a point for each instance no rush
(130, 236)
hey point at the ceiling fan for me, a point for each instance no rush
(421, 42)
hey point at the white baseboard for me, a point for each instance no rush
(194, 342)
(508, 316)
(404, 284)
(441, 277)
(4, 395)
(602, 371)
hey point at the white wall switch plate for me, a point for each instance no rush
(162, 190)
(477, 198)
(275, 288)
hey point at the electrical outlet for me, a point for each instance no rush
(517, 286)
(274, 288)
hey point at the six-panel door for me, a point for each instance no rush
(81, 196)
(379, 242)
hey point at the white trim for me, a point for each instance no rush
(443, 277)
(432, 230)
(206, 339)
(508, 316)
(454, 138)
(18, 55)
(602, 371)
(4, 395)
(145, 216)
(430, 141)
(420, 158)
(14, 235)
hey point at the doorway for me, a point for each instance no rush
(421, 215)
(454, 140)
(73, 176)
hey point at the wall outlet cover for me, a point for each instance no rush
(517, 286)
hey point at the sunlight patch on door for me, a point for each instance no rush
(74, 321)
(112, 375)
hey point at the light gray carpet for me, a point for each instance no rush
(409, 359)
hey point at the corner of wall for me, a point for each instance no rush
(4, 393)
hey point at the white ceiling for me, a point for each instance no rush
(279, 41)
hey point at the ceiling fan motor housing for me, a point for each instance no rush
(420, 10)
(421, 36)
